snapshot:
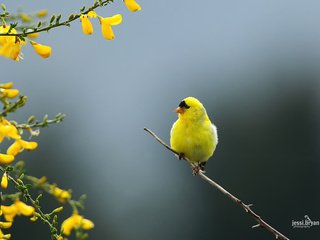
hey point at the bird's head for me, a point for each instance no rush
(191, 108)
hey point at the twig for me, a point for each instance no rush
(67, 22)
(10, 108)
(24, 190)
(246, 207)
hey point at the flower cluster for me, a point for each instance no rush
(106, 22)
(76, 221)
(14, 172)
(9, 130)
(10, 46)
(11, 41)
(13, 37)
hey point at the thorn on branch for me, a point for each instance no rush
(255, 226)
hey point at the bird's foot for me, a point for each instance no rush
(195, 170)
(181, 156)
(201, 165)
(198, 167)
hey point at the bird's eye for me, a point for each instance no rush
(184, 105)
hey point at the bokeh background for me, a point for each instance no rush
(254, 64)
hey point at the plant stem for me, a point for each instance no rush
(246, 207)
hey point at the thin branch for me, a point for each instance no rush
(24, 190)
(11, 108)
(45, 123)
(246, 207)
(72, 17)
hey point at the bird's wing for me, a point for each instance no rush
(215, 132)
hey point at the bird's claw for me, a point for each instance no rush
(197, 168)
(181, 156)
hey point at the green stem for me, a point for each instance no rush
(72, 18)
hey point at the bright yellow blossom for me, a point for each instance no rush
(14, 149)
(25, 17)
(8, 130)
(6, 159)
(74, 222)
(42, 50)
(12, 50)
(132, 5)
(5, 224)
(10, 46)
(106, 24)
(27, 145)
(17, 208)
(9, 93)
(92, 14)
(33, 35)
(23, 208)
(6, 85)
(61, 195)
(4, 236)
(42, 13)
(19, 145)
(6, 39)
(86, 25)
(4, 181)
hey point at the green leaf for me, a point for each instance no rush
(3, 7)
(58, 18)
(52, 19)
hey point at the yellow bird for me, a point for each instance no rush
(193, 135)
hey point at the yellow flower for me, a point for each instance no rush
(4, 181)
(42, 50)
(132, 5)
(19, 145)
(10, 46)
(33, 35)
(4, 236)
(12, 50)
(14, 149)
(5, 224)
(9, 93)
(106, 24)
(25, 17)
(42, 13)
(74, 222)
(6, 159)
(8, 130)
(6, 85)
(92, 14)
(17, 208)
(27, 145)
(61, 195)
(86, 25)
(6, 39)
(23, 208)
(9, 212)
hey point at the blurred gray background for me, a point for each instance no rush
(253, 64)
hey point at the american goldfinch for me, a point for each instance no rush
(193, 135)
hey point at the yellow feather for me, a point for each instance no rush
(193, 134)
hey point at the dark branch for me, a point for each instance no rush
(246, 207)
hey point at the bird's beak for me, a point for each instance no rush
(180, 110)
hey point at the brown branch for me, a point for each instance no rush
(246, 207)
